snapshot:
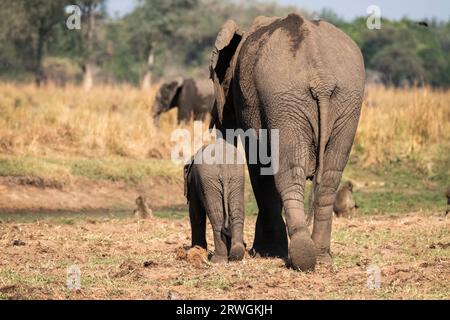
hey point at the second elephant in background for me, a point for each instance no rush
(192, 97)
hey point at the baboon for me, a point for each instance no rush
(345, 205)
(142, 211)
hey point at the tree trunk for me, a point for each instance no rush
(147, 81)
(88, 76)
(39, 71)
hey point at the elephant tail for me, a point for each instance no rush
(310, 214)
(324, 134)
(323, 103)
(226, 230)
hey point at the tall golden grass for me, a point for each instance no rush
(102, 122)
(116, 121)
(399, 123)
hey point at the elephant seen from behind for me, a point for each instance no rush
(306, 80)
(214, 188)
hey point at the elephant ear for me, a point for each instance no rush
(221, 69)
(187, 171)
(174, 89)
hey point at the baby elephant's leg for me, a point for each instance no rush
(220, 239)
(237, 250)
(236, 205)
(220, 243)
(197, 217)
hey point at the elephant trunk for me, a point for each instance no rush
(156, 120)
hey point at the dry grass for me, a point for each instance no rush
(106, 121)
(108, 133)
(400, 123)
(116, 121)
(129, 259)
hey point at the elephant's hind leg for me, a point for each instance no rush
(270, 231)
(335, 160)
(323, 213)
(215, 211)
(291, 180)
(236, 205)
(222, 244)
(197, 217)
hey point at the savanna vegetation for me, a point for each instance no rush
(78, 145)
(400, 158)
(166, 38)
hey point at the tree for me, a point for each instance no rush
(399, 66)
(30, 23)
(151, 24)
(93, 12)
(175, 37)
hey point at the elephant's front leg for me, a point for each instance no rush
(184, 112)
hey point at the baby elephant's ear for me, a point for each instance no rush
(187, 170)
(225, 47)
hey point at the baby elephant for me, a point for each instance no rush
(215, 188)
(344, 204)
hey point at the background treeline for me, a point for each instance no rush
(166, 38)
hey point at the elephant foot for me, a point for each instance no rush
(237, 252)
(302, 251)
(324, 259)
(219, 259)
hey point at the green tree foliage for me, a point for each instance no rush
(406, 52)
(153, 27)
(27, 26)
(179, 35)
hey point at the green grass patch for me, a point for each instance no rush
(172, 213)
(399, 187)
(114, 169)
(24, 166)
(396, 188)
(390, 201)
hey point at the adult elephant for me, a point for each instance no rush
(305, 78)
(192, 97)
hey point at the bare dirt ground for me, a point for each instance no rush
(131, 259)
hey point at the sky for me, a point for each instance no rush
(347, 9)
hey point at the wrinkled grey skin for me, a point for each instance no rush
(217, 191)
(306, 79)
(192, 97)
